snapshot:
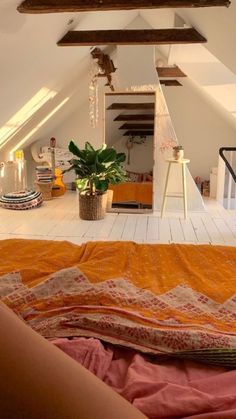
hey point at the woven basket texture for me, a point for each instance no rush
(45, 189)
(92, 207)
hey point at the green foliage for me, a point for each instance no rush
(95, 169)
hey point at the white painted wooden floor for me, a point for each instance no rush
(59, 220)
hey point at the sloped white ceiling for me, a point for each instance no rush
(30, 59)
(217, 24)
(212, 66)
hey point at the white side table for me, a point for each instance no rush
(183, 163)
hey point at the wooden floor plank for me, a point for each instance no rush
(188, 231)
(177, 235)
(213, 232)
(153, 229)
(129, 228)
(118, 227)
(107, 226)
(140, 235)
(164, 231)
(94, 228)
(230, 218)
(225, 231)
(199, 229)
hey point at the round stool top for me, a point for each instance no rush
(181, 161)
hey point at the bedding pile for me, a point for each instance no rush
(171, 389)
(166, 300)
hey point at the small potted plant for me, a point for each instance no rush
(95, 170)
(178, 152)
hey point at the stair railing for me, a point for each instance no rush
(226, 184)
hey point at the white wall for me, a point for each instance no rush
(76, 127)
(200, 128)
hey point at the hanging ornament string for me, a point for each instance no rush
(93, 94)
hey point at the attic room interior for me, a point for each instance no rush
(118, 209)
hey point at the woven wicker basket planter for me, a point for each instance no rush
(92, 207)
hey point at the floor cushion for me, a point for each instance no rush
(23, 200)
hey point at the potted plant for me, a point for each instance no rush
(95, 170)
(178, 152)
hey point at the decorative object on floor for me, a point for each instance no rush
(58, 187)
(206, 188)
(110, 194)
(45, 188)
(92, 207)
(183, 163)
(23, 200)
(44, 181)
(13, 176)
(95, 170)
(178, 152)
(44, 174)
(42, 155)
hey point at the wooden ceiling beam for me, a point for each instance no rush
(132, 37)
(59, 6)
(170, 72)
(143, 93)
(138, 117)
(131, 106)
(169, 82)
(138, 133)
(147, 127)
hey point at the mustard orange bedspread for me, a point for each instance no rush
(161, 299)
(132, 191)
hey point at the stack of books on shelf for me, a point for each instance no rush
(44, 174)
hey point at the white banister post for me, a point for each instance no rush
(220, 181)
(229, 192)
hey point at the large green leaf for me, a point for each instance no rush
(102, 185)
(104, 146)
(81, 184)
(120, 157)
(97, 168)
(88, 146)
(107, 155)
(90, 158)
(75, 150)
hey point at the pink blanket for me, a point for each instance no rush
(167, 390)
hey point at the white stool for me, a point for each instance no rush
(183, 162)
